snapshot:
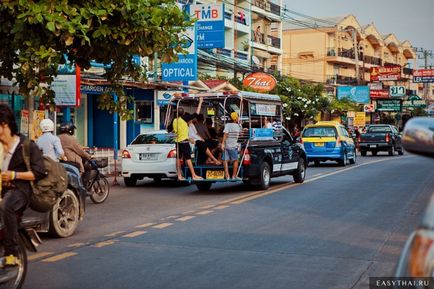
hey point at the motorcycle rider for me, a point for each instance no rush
(16, 178)
(49, 143)
(73, 150)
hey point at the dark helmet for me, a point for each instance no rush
(67, 128)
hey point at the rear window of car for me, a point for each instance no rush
(320, 131)
(160, 138)
(379, 129)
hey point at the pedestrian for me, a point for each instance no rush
(73, 151)
(257, 34)
(16, 180)
(267, 123)
(49, 143)
(180, 127)
(230, 145)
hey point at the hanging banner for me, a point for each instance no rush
(389, 105)
(359, 94)
(423, 76)
(381, 93)
(38, 116)
(260, 81)
(359, 119)
(66, 85)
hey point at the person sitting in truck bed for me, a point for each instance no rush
(202, 149)
(230, 145)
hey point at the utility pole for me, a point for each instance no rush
(424, 54)
(356, 52)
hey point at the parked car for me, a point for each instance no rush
(151, 155)
(328, 140)
(380, 137)
(417, 257)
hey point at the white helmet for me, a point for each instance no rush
(47, 125)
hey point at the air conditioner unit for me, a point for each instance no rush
(267, 6)
(268, 41)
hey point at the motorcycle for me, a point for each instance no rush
(95, 182)
(28, 239)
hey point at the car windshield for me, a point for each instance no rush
(320, 131)
(379, 129)
(158, 138)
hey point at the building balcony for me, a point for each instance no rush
(266, 39)
(340, 79)
(407, 71)
(372, 60)
(224, 51)
(238, 18)
(241, 55)
(268, 6)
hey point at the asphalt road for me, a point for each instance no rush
(334, 231)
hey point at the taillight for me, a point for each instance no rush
(420, 256)
(126, 154)
(172, 154)
(247, 160)
(387, 137)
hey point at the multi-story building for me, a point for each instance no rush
(253, 33)
(343, 52)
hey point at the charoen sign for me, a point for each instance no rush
(260, 81)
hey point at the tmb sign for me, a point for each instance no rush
(210, 25)
(260, 81)
(423, 75)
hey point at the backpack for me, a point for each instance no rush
(47, 190)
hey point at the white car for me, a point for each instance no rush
(151, 155)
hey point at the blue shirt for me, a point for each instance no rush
(50, 145)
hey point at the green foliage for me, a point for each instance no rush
(36, 34)
(340, 106)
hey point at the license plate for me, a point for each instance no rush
(319, 144)
(148, 157)
(215, 175)
(372, 146)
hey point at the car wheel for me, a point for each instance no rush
(300, 173)
(363, 153)
(265, 176)
(130, 182)
(64, 215)
(343, 162)
(374, 153)
(391, 152)
(354, 158)
(204, 186)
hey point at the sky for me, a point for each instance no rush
(411, 20)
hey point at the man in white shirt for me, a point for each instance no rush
(49, 143)
(230, 145)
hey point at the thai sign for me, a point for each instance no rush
(260, 81)
(397, 91)
(423, 75)
(359, 94)
(384, 73)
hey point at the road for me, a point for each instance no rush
(334, 231)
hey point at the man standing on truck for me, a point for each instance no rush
(180, 127)
(230, 145)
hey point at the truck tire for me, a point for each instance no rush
(363, 153)
(130, 182)
(300, 172)
(391, 151)
(264, 177)
(204, 186)
(374, 153)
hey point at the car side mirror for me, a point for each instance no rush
(418, 136)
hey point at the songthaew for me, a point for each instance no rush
(243, 139)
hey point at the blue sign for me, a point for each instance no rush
(185, 69)
(210, 25)
(261, 134)
(359, 94)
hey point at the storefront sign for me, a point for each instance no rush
(359, 119)
(375, 85)
(384, 73)
(66, 86)
(92, 89)
(383, 93)
(397, 91)
(24, 124)
(359, 94)
(164, 96)
(388, 105)
(185, 69)
(260, 81)
(423, 76)
(369, 108)
(210, 25)
(413, 102)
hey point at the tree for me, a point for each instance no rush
(37, 35)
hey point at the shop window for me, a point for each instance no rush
(144, 111)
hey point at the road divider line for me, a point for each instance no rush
(105, 243)
(206, 212)
(185, 218)
(145, 225)
(162, 225)
(39, 255)
(134, 234)
(76, 245)
(59, 257)
(207, 207)
(221, 207)
(266, 193)
(114, 234)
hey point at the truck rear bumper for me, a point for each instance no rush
(375, 146)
